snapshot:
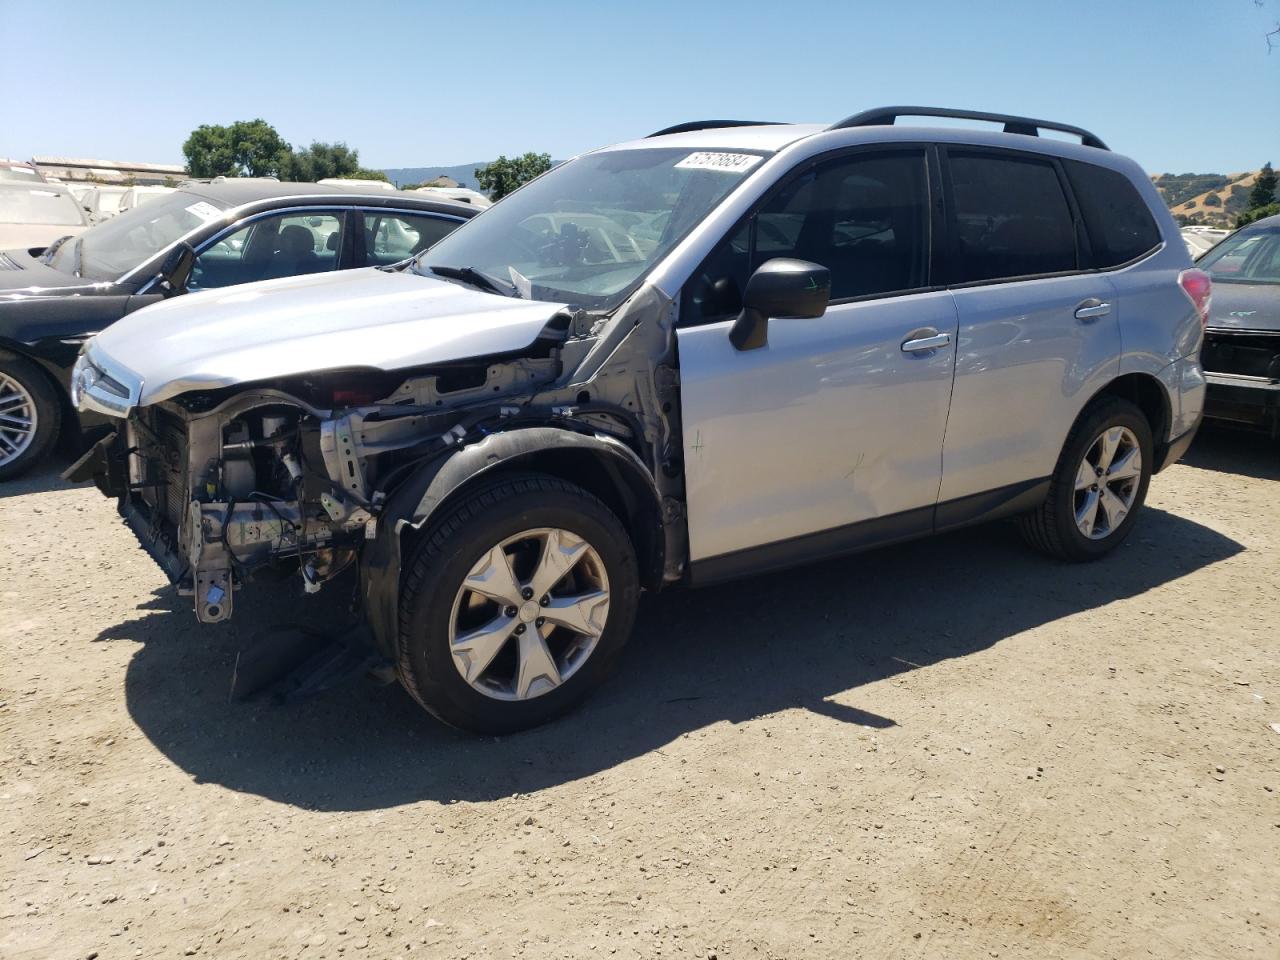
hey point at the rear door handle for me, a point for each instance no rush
(920, 344)
(1092, 309)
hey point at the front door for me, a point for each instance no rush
(830, 436)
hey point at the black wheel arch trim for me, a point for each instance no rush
(427, 491)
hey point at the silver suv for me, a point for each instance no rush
(723, 349)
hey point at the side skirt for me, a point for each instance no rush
(869, 534)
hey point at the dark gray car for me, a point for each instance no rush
(1242, 340)
(53, 298)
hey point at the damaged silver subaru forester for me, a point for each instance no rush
(723, 349)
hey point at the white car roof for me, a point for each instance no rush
(771, 137)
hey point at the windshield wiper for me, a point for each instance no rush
(477, 279)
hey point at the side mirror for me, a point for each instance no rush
(176, 269)
(783, 289)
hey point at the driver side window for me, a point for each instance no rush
(865, 218)
(280, 246)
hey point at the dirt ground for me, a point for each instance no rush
(951, 748)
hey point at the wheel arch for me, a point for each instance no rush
(599, 464)
(1149, 395)
(15, 350)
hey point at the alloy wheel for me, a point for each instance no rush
(17, 419)
(529, 614)
(1107, 482)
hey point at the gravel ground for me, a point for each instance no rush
(948, 749)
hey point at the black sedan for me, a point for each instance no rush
(199, 237)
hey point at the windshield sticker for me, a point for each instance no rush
(724, 162)
(27, 170)
(205, 211)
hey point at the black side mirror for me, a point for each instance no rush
(784, 289)
(176, 269)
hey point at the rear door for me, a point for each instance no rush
(830, 436)
(1038, 334)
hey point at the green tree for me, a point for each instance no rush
(246, 148)
(1257, 213)
(321, 160)
(1264, 188)
(503, 176)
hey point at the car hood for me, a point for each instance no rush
(1245, 306)
(386, 320)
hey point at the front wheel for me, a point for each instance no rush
(1098, 486)
(515, 605)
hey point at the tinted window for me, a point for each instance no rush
(865, 218)
(1011, 218)
(282, 246)
(1119, 224)
(392, 237)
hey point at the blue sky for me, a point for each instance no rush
(1180, 85)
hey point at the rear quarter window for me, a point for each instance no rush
(1119, 224)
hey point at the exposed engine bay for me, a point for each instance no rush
(297, 475)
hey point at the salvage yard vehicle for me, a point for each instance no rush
(1242, 341)
(54, 296)
(815, 340)
(34, 213)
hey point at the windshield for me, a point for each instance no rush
(588, 230)
(43, 204)
(116, 246)
(1250, 256)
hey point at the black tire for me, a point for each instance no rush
(1051, 528)
(446, 554)
(48, 409)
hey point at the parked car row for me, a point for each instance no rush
(55, 296)
(722, 349)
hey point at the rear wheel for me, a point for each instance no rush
(1098, 486)
(515, 605)
(30, 415)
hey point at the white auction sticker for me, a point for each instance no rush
(204, 210)
(24, 170)
(724, 162)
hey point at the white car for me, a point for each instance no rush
(137, 196)
(17, 171)
(357, 182)
(35, 215)
(103, 202)
(463, 194)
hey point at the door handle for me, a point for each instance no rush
(918, 344)
(1092, 309)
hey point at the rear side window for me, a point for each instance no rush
(1120, 225)
(1010, 218)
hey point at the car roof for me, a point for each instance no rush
(1266, 223)
(771, 137)
(241, 191)
(884, 124)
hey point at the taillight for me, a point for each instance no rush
(1198, 286)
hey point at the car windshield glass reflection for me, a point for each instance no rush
(116, 246)
(588, 230)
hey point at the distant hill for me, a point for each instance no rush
(464, 173)
(1213, 199)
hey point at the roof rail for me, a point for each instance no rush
(692, 125)
(885, 116)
